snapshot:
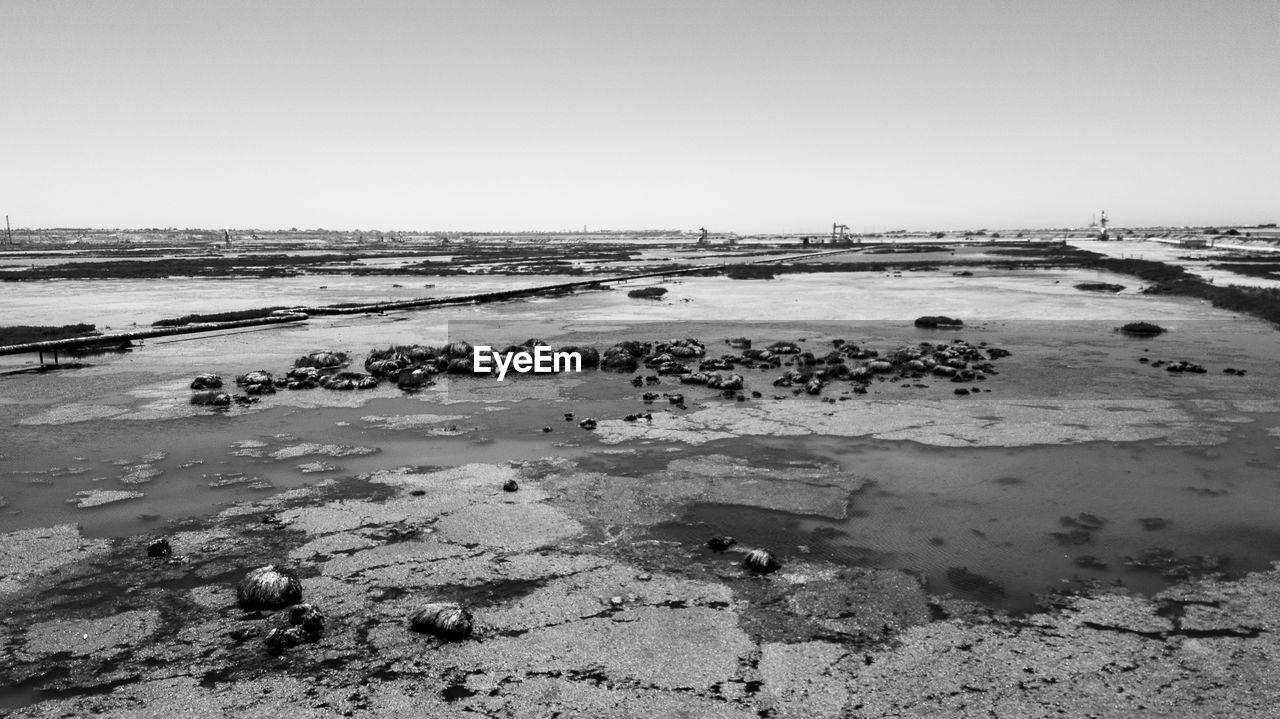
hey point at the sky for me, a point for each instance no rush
(738, 116)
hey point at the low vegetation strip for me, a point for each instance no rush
(1268, 270)
(764, 271)
(463, 259)
(218, 317)
(258, 266)
(1260, 302)
(22, 334)
(124, 338)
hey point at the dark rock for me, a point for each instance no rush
(280, 639)
(206, 381)
(308, 617)
(720, 544)
(590, 355)
(322, 360)
(211, 398)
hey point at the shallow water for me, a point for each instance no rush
(995, 511)
(928, 509)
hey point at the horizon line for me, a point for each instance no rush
(650, 230)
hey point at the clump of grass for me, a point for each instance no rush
(935, 321)
(1142, 329)
(256, 266)
(648, 293)
(1098, 287)
(1252, 268)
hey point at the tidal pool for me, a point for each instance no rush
(1011, 514)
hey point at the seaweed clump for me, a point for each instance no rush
(648, 293)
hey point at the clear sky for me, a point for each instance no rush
(739, 115)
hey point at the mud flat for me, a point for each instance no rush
(1082, 533)
(573, 617)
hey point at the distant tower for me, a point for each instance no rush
(1102, 227)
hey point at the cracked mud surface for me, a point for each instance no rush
(577, 614)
